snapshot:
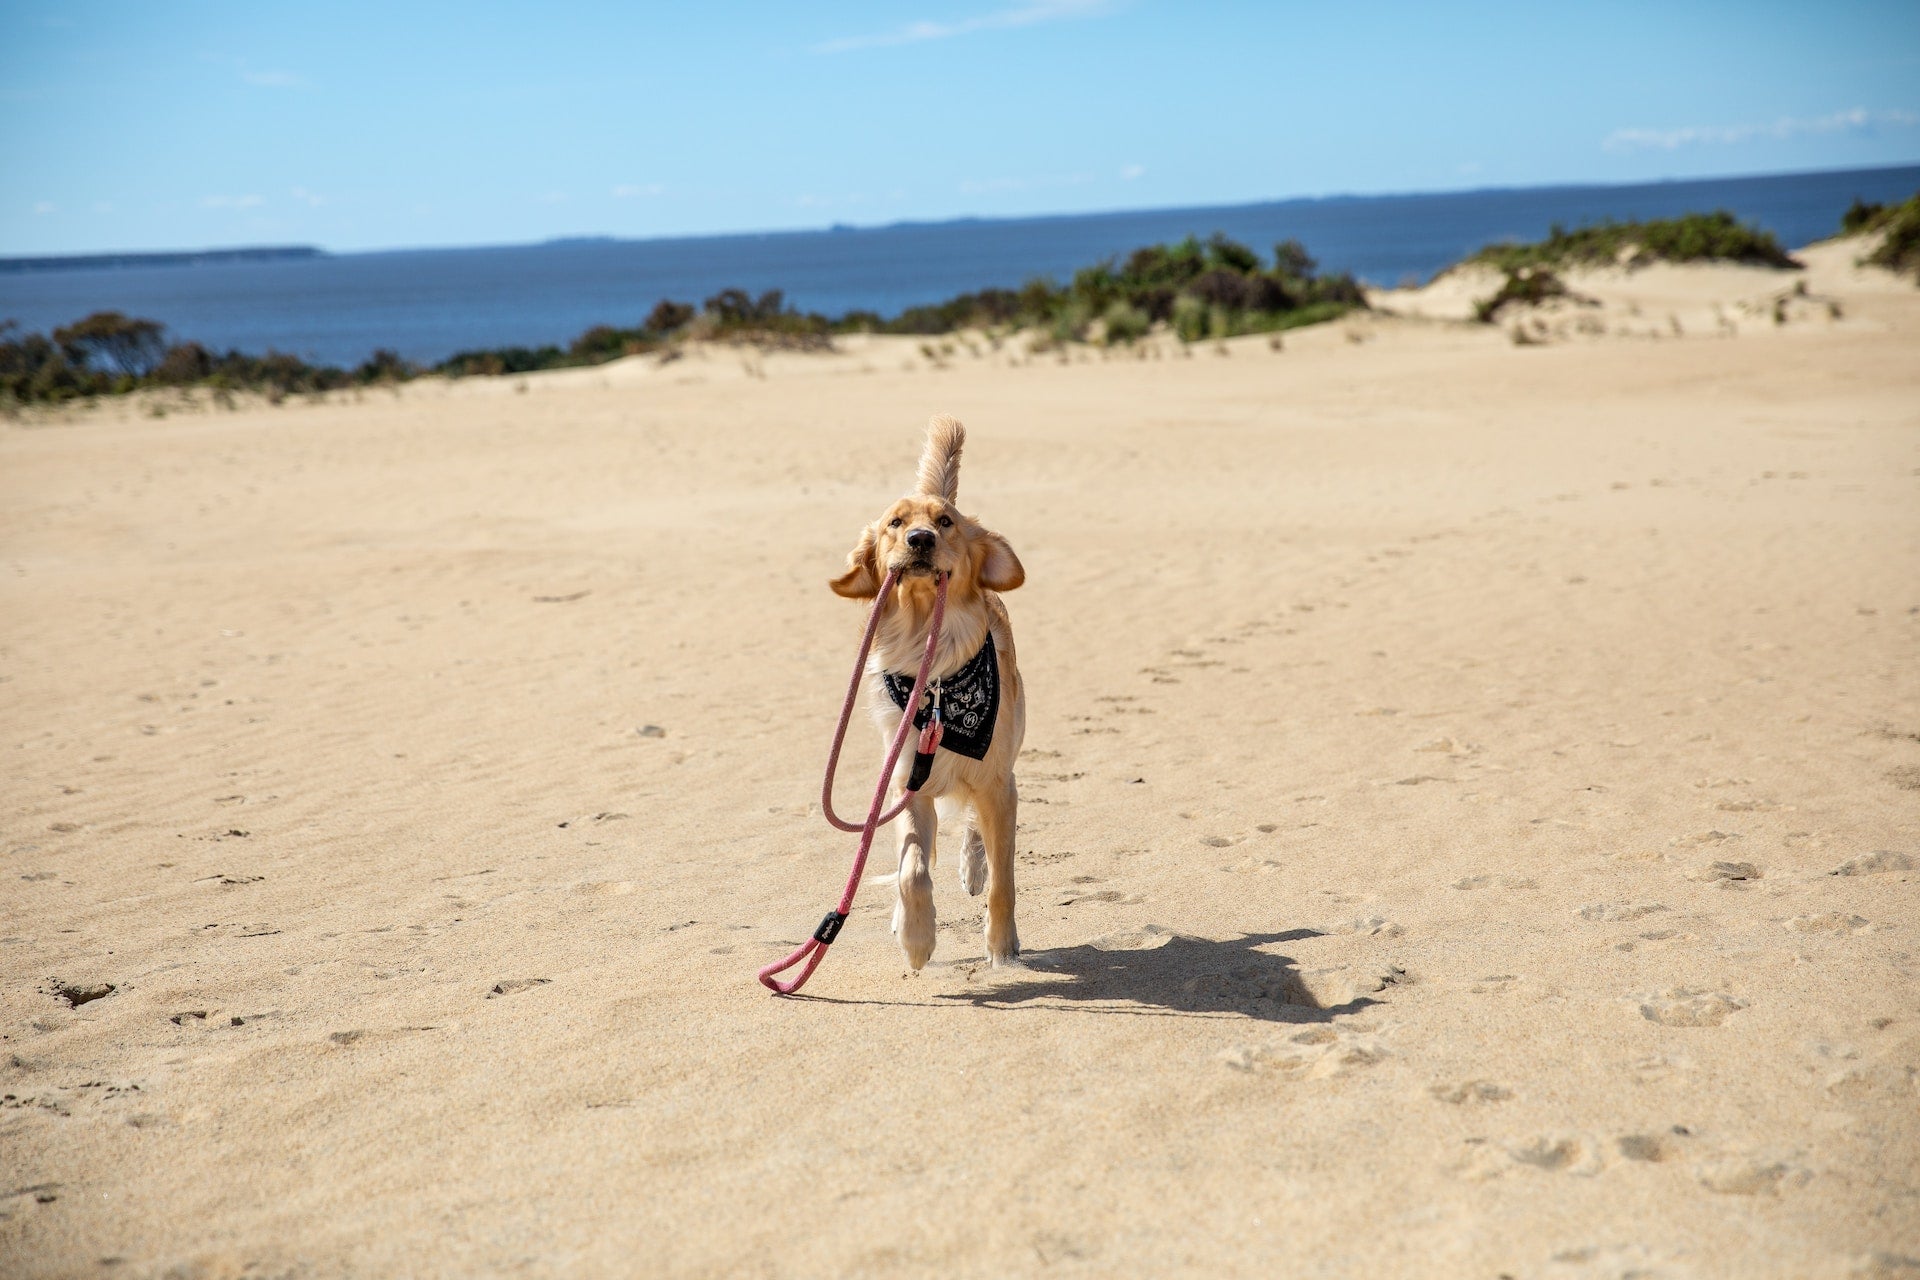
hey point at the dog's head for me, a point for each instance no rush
(925, 533)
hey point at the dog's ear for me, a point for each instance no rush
(861, 581)
(1000, 569)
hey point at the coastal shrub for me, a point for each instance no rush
(1292, 261)
(1163, 267)
(603, 342)
(1899, 247)
(384, 366)
(1096, 286)
(1189, 318)
(498, 360)
(1231, 255)
(981, 310)
(1070, 324)
(1693, 237)
(668, 317)
(184, 364)
(1220, 288)
(1527, 286)
(132, 346)
(1860, 216)
(1125, 323)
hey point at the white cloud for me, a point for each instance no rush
(1131, 172)
(312, 199)
(1030, 14)
(45, 207)
(628, 190)
(1857, 121)
(232, 202)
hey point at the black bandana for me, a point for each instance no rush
(969, 702)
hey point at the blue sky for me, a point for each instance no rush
(149, 126)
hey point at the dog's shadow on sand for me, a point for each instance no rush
(1155, 972)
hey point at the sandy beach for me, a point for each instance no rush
(1470, 825)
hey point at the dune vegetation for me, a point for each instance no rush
(1214, 288)
(1193, 289)
(1899, 229)
(1693, 237)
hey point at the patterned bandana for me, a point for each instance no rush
(969, 701)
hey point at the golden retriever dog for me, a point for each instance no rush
(974, 679)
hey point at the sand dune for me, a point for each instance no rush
(1471, 817)
(1669, 300)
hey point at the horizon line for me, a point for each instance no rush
(841, 228)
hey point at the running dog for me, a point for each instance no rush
(974, 681)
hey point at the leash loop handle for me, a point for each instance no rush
(814, 949)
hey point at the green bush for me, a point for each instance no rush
(1860, 216)
(1899, 225)
(1693, 237)
(1189, 318)
(132, 346)
(1527, 286)
(1125, 323)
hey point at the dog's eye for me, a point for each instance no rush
(946, 522)
(894, 523)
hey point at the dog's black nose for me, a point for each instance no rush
(920, 539)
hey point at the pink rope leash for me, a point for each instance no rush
(814, 949)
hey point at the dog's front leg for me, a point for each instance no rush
(913, 919)
(995, 812)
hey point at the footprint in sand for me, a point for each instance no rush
(1651, 1148)
(1560, 1153)
(1368, 926)
(1749, 1176)
(510, 986)
(1615, 912)
(1470, 1093)
(1834, 922)
(1876, 863)
(1727, 874)
(1254, 983)
(1316, 1053)
(75, 994)
(1483, 881)
(1574, 1153)
(1703, 839)
(235, 931)
(1076, 897)
(1686, 1007)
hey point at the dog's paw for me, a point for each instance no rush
(917, 946)
(973, 864)
(914, 923)
(1003, 949)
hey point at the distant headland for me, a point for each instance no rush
(180, 258)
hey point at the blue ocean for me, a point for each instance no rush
(428, 303)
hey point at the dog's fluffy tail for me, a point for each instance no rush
(940, 464)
